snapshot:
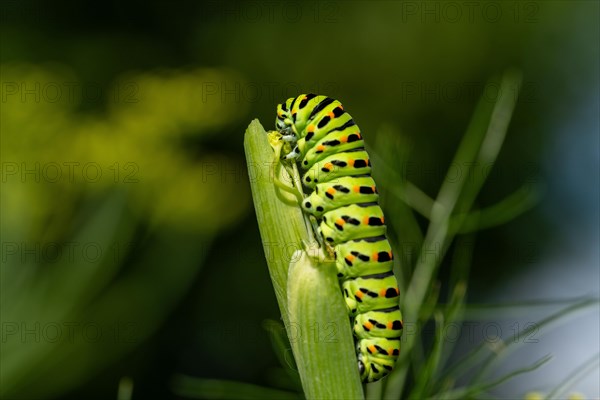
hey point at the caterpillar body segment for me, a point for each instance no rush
(363, 257)
(342, 192)
(356, 221)
(352, 163)
(362, 294)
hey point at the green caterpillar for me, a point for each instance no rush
(336, 172)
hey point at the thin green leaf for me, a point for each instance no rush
(424, 376)
(416, 348)
(522, 200)
(513, 309)
(491, 143)
(507, 347)
(451, 317)
(476, 390)
(452, 312)
(400, 187)
(560, 391)
(467, 362)
(515, 204)
(481, 143)
(478, 145)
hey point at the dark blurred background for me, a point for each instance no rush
(129, 242)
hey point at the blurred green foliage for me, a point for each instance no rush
(105, 217)
(138, 146)
(160, 252)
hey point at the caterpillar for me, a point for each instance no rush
(341, 195)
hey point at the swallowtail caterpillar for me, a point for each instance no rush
(339, 192)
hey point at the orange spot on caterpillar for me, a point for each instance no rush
(331, 190)
(360, 295)
(390, 351)
(331, 115)
(382, 292)
(320, 147)
(311, 128)
(382, 220)
(372, 349)
(350, 257)
(356, 189)
(368, 325)
(366, 220)
(344, 139)
(340, 222)
(390, 324)
(351, 163)
(329, 166)
(375, 256)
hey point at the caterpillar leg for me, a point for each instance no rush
(290, 137)
(282, 186)
(294, 154)
(277, 142)
(317, 231)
